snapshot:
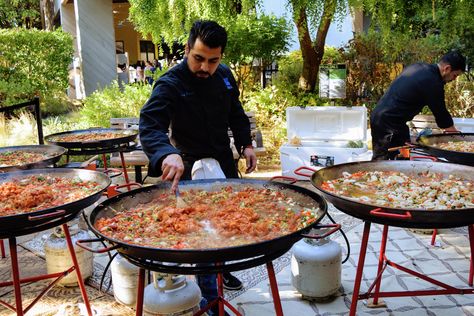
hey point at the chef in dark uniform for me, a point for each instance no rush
(418, 85)
(196, 102)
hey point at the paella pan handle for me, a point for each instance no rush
(380, 213)
(291, 180)
(334, 228)
(112, 190)
(81, 243)
(424, 157)
(303, 174)
(47, 215)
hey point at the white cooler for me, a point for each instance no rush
(322, 136)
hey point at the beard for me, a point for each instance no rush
(202, 75)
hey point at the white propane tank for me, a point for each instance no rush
(58, 258)
(316, 268)
(171, 295)
(124, 281)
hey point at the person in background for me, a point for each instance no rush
(140, 71)
(418, 85)
(157, 64)
(149, 71)
(198, 99)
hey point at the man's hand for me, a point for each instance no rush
(172, 168)
(451, 129)
(250, 159)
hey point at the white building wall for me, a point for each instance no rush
(95, 43)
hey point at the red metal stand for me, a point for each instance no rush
(220, 300)
(384, 262)
(16, 283)
(2, 248)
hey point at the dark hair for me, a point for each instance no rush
(210, 33)
(455, 59)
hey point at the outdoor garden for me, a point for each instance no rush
(36, 62)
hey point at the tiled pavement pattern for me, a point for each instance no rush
(448, 263)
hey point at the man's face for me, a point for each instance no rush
(448, 74)
(203, 60)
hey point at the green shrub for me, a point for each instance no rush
(110, 102)
(33, 62)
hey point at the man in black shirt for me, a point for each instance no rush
(418, 85)
(198, 100)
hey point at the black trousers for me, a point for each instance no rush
(384, 138)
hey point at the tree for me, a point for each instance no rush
(251, 36)
(312, 19)
(450, 23)
(20, 13)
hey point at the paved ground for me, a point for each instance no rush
(449, 263)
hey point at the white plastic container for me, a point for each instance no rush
(324, 131)
(124, 281)
(58, 257)
(172, 295)
(316, 268)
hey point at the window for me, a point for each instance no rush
(147, 50)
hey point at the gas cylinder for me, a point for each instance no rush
(58, 258)
(171, 295)
(316, 268)
(124, 281)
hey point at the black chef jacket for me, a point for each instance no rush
(418, 85)
(198, 113)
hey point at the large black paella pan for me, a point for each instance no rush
(134, 200)
(92, 138)
(30, 156)
(37, 199)
(457, 148)
(417, 216)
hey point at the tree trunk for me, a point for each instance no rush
(47, 14)
(312, 53)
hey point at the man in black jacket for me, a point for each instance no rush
(418, 85)
(197, 101)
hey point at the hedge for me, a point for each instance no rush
(33, 62)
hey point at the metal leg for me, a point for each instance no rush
(77, 268)
(104, 160)
(2, 248)
(140, 292)
(124, 167)
(383, 246)
(16, 276)
(274, 289)
(433, 237)
(220, 293)
(360, 268)
(470, 228)
(138, 174)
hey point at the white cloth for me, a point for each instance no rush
(207, 168)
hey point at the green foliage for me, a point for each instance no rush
(172, 20)
(20, 13)
(110, 102)
(450, 23)
(251, 38)
(33, 62)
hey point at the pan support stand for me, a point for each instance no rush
(383, 262)
(220, 300)
(16, 283)
(2, 248)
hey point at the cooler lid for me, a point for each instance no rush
(327, 123)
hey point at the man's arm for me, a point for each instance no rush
(154, 124)
(438, 108)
